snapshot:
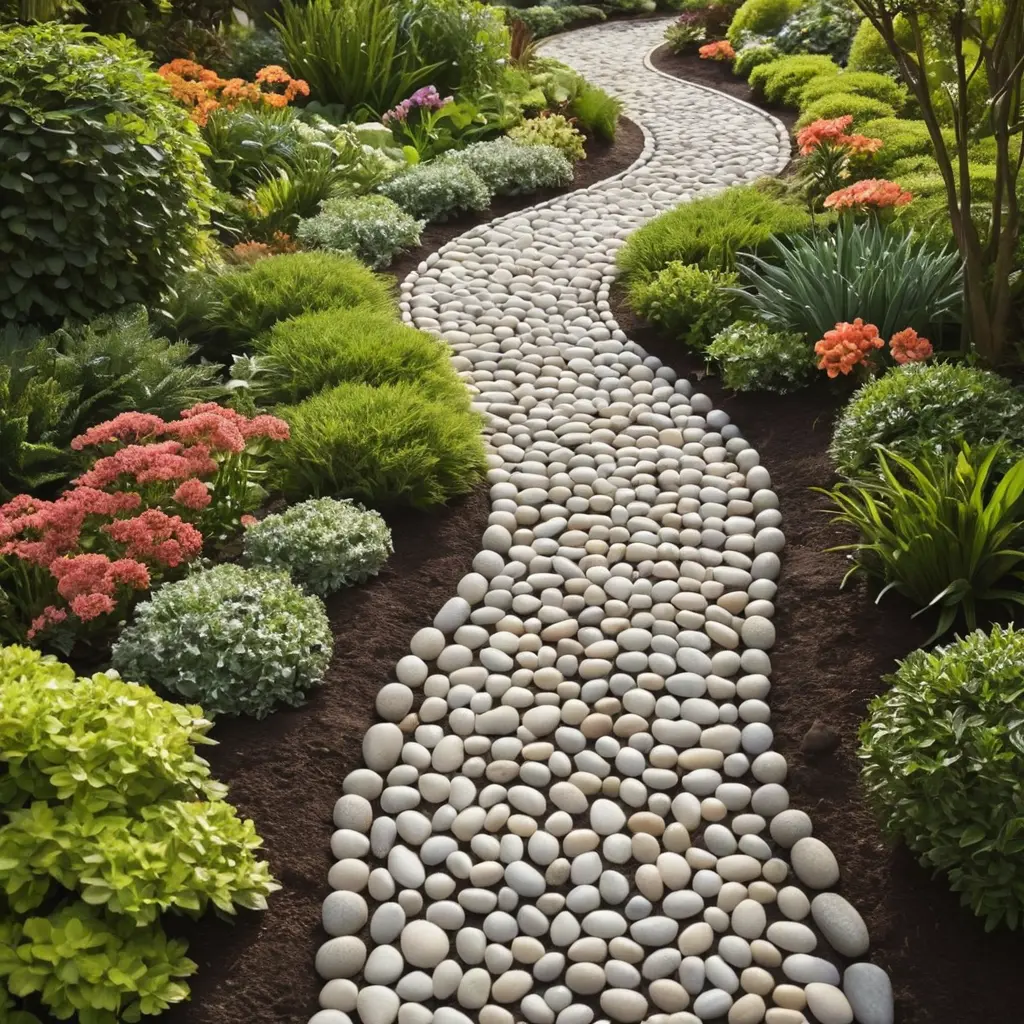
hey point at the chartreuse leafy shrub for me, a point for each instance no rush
(945, 530)
(901, 138)
(760, 17)
(105, 195)
(782, 80)
(753, 357)
(371, 227)
(942, 754)
(709, 232)
(438, 190)
(391, 445)
(110, 817)
(839, 104)
(551, 130)
(691, 304)
(859, 83)
(868, 51)
(315, 351)
(509, 168)
(323, 543)
(243, 640)
(923, 409)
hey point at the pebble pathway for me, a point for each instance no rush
(571, 810)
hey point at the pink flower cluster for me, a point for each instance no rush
(427, 98)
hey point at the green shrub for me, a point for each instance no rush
(753, 357)
(945, 530)
(839, 104)
(943, 755)
(596, 111)
(371, 227)
(508, 168)
(546, 21)
(389, 445)
(752, 56)
(709, 232)
(249, 50)
(438, 190)
(552, 130)
(900, 139)
(859, 83)
(820, 26)
(691, 304)
(324, 544)
(922, 410)
(109, 196)
(243, 641)
(782, 80)
(760, 17)
(868, 51)
(315, 351)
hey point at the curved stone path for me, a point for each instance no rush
(571, 811)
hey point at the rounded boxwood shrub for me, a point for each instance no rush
(782, 80)
(943, 758)
(760, 17)
(926, 408)
(753, 55)
(839, 104)
(389, 445)
(238, 641)
(901, 138)
(868, 51)
(324, 544)
(859, 83)
(308, 353)
(105, 194)
(438, 190)
(509, 168)
(754, 357)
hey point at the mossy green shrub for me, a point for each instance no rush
(385, 446)
(371, 227)
(104, 191)
(710, 232)
(868, 52)
(754, 357)
(760, 17)
(438, 190)
(926, 408)
(242, 641)
(551, 130)
(942, 754)
(900, 138)
(839, 104)
(782, 80)
(752, 55)
(691, 304)
(859, 83)
(315, 351)
(509, 168)
(323, 544)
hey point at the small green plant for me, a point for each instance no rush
(386, 446)
(839, 104)
(552, 130)
(753, 357)
(942, 754)
(543, 20)
(691, 304)
(509, 168)
(759, 17)
(943, 531)
(371, 227)
(596, 111)
(324, 544)
(782, 80)
(752, 55)
(858, 83)
(438, 190)
(243, 641)
(926, 409)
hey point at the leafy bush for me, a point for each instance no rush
(882, 275)
(387, 445)
(900, 139)
(324, 544)
(820, 26)
(709, 232)
(509, 168)
(752, 56)
(551, 130)
(839, 104)
(753, 357)
(438, 190)
(943, 755)
(242, 640)
(371, 227)
(944, 531)
(921, 410)
(249, 50)
(859, 83)
(691, 304)
(868, 51)
(110, 196)
(543, 20)
(782, 80)
(315, 351)
(760, 17)
(596, 111)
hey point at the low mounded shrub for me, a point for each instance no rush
(543, 20)
(371, 227)
(782, 80)
(551, 130)
(710, 232)
(242, 641)
(752, 56)
(324, 544)
(868, 51)
(753, 357)
(859, 83)
(943, 755)
(691, 304)
(926, 408)
(760, 17)
(309, 353)
(839, 104)
(438, 190)
(901, 138)
(510, 169)
(389, 445)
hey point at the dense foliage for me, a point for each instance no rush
(371, 227)
(553, 130)
(760, 17)
(820, 26)
(691, 304)
(509, 169)
(782, 81)
(753, 357)
(438, 190)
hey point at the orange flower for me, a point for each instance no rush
(907, 347)
(273, 73)
(873, 193)
(846, 346)
(811, 137)
(862, 144)
(722, 50)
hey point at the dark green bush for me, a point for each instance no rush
(386, 446)
(760, 17)
(782, 80)
(691, 304)
(753, 357)
(105, 194)
(859, 83)
(943, 756)
(249, 50)
(839, 104)
(820, 26)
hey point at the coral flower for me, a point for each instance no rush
(811, 137)
(847, 346)
(908, 347)
(873, 193)
(50, 616)
(193, 494)
(721, 50)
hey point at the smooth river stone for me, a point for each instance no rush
(869, 992)
(840, 923)
(814, 863)
(424, 944)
